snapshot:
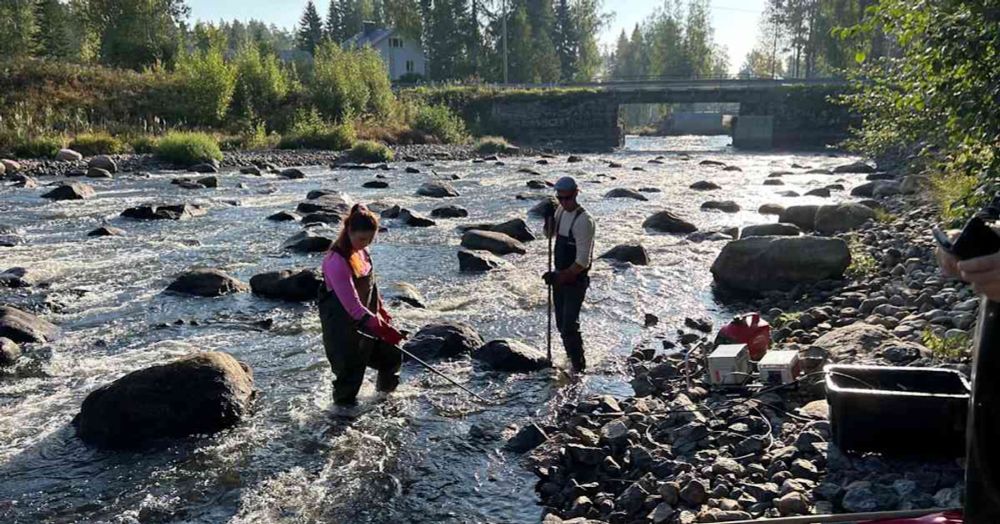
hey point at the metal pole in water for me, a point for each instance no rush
(982, 465)
(549, 308)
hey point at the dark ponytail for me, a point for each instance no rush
(359, 219)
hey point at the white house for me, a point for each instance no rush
(402, 55)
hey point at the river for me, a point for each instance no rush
(410, 459)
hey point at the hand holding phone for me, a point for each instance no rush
(976, 240)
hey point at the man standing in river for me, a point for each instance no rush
(574, 231)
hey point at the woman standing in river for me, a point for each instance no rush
(348, 302)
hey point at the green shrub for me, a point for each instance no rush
(90, 144)
(309, 131)
(38, 147)
(492, 145)
(205, 85)
(369, 151)
(188, 148)
(144, 144)
(946, 347)
(261, 84)
(863, 264)
(442, 123)
(348, 83)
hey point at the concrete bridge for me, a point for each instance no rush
(794, 113)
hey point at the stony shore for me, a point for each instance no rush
(680, 452)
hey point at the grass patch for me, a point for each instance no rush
(144, 144)
(953, 347)
(90, 144)
(957, 196)
(335, 138)
(884, 217)
(38, 147)
(188, 148)
(862, 263)
(492, 145)
(441, 123)
(785, 318)
(370, 152)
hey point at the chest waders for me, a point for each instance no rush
(568, 298)
(982, 466)
(348, 352)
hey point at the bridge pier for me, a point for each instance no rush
(753, 132)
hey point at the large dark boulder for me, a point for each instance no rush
(631, 253)
(842, 217)
(96, 172)
(285, 216)
(207, 282)
(773, 263)
(445, 340)
(437, 190)
(165, 212)
(414, 219)
(802, 216)
(107, 231)
(511, 356)
(855, 167)
(333, 203)
(70, 191)
(292, 173)
(726, 206)
(196, 395)
(496, 243)
(547, 206)
(515, 228)
(667, 222)
(705, 185)
(623, 192)
(23, 327)
(477, 261)
(450, 212)
(292, 285)
(103, 162)
(311, 241)
(771, 230)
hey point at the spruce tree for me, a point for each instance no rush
(18, 26)
(52, 39)
(335, 22)
(310, 32)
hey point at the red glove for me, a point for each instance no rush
(385, 316)
(387, 333)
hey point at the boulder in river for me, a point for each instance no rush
(667, 222)
(70, 191)
(726, 206)
(437, 189)
(103, 162)
(444, 340)
(771, 230)
(195, 395)
(547, 206)
(802, 216)
(10, 236)
(165, 212)
(414, 219)
(704, 185)
(511, 356)
(107, 231)
(527, 438)
(23, 327)
(535, 184)
(9, 352)
(449, 212)
(477, 261)
(712, 163)
(207, 282)
(855, 167)
(403, 293)
(876, 188)
(515, 228)
(285, 216)
(68, 155)
(773, 263)
(292, 285)
(821, 192)
(96, 172)
(771, 209)
(292, 173)
(622, 192)
(632, 253)
(204, 167)
(496, 243)
(773, 182)
(333, 203)
(250, 170)
(375, 184)
(311, 241)
(842, 217)
(27, 276)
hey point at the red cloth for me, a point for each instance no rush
(951, 517)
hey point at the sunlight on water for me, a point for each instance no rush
(408, 459)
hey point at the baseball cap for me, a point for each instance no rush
(566, 183)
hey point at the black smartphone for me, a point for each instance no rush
(976, 240)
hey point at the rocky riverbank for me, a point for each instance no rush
(679, 451)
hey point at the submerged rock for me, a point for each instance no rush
(207, 282)
(622, 192)
(200, 394)
(444, 340)
(107, 231)
(768, 263)
(704, 185)
(511, 355)
(414, 219)
(165, 212)
(854, 167)
(292, 173)
(437, 190)
(292, 285)
(23, 327)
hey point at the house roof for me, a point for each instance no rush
(371, 37)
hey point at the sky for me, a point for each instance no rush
(735, 21)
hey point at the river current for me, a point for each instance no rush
(425, 455)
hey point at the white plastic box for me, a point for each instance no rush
(728, 365)
(779, 367)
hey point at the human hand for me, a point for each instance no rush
(387, 333)
(549, 278)
(948, 263)
(565, 277)
(983, 273)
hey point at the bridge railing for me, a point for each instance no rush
(649, 82)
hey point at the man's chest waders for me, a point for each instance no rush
(568, 298)
(348, 352)
(982, 468)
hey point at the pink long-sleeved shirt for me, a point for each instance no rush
(339, 279)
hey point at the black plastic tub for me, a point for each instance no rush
(897, 410)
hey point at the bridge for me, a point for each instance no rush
(784, 113)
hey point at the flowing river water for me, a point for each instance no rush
(425, 455)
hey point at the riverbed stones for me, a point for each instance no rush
(726, 206)
(634, 254)
(842, 217)
(769, 230)
(207, 282)
(10, 352)
(668, 222)
(68, 155)
(477, 261)
(200, 394)
(511, 356)
(103, 162)
(854, 167)
(23, 327)
(496, 243)
(314, 240)
(449, 212)
(70, 191)
(770, 263)
(802, 216)
(290, 285)
(437, 189)
(704, 185)
(622, 192)
(444, 340)
(165, 212)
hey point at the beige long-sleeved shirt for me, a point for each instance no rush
(584, 229)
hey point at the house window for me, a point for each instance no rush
(395, 42)
(409, 66)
